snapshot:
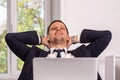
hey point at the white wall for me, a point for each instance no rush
(93, 14)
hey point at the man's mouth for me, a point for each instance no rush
(58, 33)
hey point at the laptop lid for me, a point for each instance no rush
(65, 69)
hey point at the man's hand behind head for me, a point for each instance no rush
(45, 42)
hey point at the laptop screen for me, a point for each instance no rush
(65, 69)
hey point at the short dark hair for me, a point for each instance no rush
(54, 22)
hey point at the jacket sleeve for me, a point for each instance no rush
(98, 40)
(18, 42)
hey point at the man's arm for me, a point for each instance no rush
(98, 40)
(17, 42)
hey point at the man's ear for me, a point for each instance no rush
(68, 41)
(48, 38)
(68, 38)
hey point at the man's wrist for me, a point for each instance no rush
(74, 39)
(41, 40)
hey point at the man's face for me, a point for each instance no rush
(58, 32)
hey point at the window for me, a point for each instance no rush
(20, 15)
(3, 31)
(30, 17)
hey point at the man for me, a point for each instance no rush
(57, 38)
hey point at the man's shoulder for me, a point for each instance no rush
(80, 51)
(36, 52)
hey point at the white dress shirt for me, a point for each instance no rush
(63, 54)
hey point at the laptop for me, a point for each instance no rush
(65, 69)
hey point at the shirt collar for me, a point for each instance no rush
(63, 54)
(52, 49)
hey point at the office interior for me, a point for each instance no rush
(77, 15)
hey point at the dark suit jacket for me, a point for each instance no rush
(98, 41)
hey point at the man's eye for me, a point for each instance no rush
(54, 28)
(63, 28)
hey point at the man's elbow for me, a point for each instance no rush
(8, 37)
(108, 34)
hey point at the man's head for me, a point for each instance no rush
(54, 22)
(57, 34)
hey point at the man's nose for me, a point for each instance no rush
(58, 28)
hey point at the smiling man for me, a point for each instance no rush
(57, 35)
(58, 41)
